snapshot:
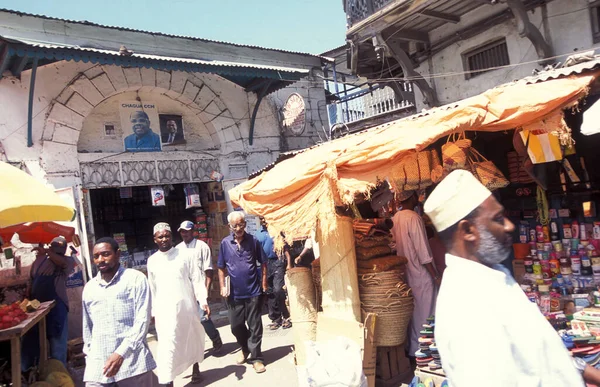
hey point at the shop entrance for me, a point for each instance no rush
(127, 214)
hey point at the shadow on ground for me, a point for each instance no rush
(274, 354)
(224, 351)
(214, 375)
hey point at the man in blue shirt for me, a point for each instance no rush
(116, 311)
(240, 256)
(278, 311)
(143, 138)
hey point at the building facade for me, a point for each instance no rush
(455, 49)
(107, 113)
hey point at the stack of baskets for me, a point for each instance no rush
(387, 295)
(382, 289)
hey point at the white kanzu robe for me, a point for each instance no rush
(176, 286)
(489, 333)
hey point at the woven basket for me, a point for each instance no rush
(454, 151)
(363, 253)
(387, 295)
(412, 172)
(486, 171)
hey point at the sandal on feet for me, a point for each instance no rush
(241, 358)
(286, 324)
(259, 367)
(274, 326)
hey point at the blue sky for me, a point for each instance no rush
(312, 26)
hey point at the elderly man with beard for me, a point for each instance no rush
(487, 331)
(176, 289)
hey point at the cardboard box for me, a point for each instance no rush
(518, 270)
(221, 206)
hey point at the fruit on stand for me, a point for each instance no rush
(11, 315)
(30, 306)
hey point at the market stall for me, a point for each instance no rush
(26, 199)
(318, 188)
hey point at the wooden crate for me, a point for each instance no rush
(393, 367)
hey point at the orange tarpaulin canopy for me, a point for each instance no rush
(304, 189)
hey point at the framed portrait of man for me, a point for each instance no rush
(171, 129)
(139, 121)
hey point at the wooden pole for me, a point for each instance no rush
(339, 278)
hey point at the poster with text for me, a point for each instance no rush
(141, 126)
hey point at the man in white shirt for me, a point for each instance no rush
(487, 331)
(202, 253)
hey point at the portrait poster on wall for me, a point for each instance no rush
(141, 126)
(171, 130)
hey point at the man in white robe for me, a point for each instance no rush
(411, 242)
(487, 331)
(176, 287)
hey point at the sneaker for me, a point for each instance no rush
(259, 367)
(241, 359)
(217, 344)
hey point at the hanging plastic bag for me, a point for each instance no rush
(157, 193)
(192, 196)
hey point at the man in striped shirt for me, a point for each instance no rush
(116, 311)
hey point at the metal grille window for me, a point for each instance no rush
(486, 58)
(595, 16)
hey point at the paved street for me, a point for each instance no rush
(220, 369)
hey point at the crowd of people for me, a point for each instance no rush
(119, 304)
(470, 228)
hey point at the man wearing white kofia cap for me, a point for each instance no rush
(176, 288)
(487, 331)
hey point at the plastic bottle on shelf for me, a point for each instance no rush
(575, 263)
(554, 231)
(586, 263)
(575, 229)
(554, 264)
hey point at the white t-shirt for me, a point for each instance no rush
(202, 252)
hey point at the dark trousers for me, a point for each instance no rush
(249, 337)
(209, 328)
(275, 293)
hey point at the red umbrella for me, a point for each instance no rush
(37, 232)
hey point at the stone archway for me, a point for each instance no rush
(87, 90)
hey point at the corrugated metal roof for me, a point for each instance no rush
(93, 24)
(577, 69)
(564, 71)
(54, 51)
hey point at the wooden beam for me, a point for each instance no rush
(4, 58)
(445, 17)
(19, 65)
(410, 35)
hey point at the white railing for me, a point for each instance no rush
(379, 101)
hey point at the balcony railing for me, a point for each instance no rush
(365, 104)
(357, 10)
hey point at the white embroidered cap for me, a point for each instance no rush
(454, 198)
(161, 226)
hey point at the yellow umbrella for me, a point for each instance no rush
(25, 199)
